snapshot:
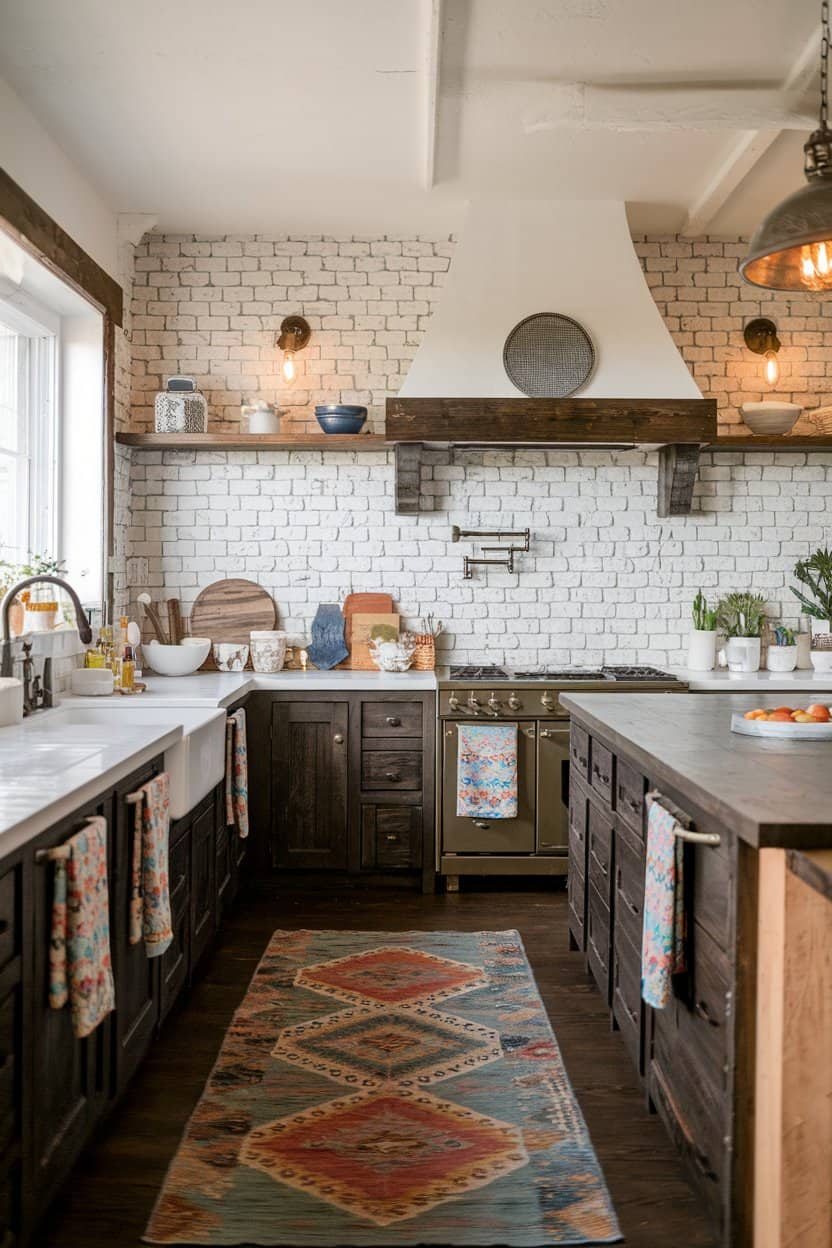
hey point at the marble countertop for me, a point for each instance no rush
(221, 689)
(723, 681)
(771, 792)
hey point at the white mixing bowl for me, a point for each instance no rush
(179, 660)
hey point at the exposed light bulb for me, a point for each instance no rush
(772, 368)
(816, 265)
(288, 369)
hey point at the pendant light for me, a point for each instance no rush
(792, 248)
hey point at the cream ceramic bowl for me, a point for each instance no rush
(770, 417)
(230, 656)
(181, 660)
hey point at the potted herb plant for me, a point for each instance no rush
(815, 575)
(702, 646)
(741, 617)
(782, 655)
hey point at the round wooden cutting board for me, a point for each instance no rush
(229, 610)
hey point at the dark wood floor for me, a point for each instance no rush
(109, 1198)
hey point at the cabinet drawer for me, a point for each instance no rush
(601, 770)
(10, 1050)
(391, 769)
(695, 1121)
(702, 1022)
(712, 887)
(598, 941)
(629, 889)
(391, 719)
(579, 751)
(9, 923)
(627, 1005)
(391, 837)
(576, 890)
(629, 796)
(599, 860)
(577, 827)
(179, 870)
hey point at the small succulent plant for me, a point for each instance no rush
(704, 619)
(742, 614)
(783, 636)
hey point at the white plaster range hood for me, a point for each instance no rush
(516, 258)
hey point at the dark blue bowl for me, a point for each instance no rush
(341, 417)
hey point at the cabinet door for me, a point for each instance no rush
(136, 975)
(203, 861)
(176, 960)
(552, 789)
(309, 784)
(71, 1075)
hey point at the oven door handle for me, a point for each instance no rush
(481, 823)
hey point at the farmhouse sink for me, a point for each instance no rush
(195, 763)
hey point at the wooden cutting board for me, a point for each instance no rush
(362, 604)
(229, 610)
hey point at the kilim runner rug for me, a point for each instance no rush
(380, 1088)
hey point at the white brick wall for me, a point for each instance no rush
(605, 580)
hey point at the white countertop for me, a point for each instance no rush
(223, 688)
(723, 681)
(46, 774)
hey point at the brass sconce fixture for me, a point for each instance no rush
(294, 336)
(761, 337)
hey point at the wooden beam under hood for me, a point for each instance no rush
(551, 421)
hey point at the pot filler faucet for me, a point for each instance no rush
(84, 630)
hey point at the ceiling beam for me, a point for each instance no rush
(751, 146)
(432, 61)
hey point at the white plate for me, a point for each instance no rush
(787, 732)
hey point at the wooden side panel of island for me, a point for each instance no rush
(793, 1112)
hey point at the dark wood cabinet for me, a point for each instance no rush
(175, 962)
(203, 861)
(350, 783)
(71, 1081)
(136, 975)
(309, 784)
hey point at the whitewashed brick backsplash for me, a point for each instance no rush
(605, 579)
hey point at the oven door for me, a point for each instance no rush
(489, 836)
(552, 787)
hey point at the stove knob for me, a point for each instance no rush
(453, 703)
(494, 704)
(514, 702)
(548, 701)
(473, 703)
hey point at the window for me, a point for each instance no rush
(28, 431)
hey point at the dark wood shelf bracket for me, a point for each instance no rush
(678, 470)
(408, 477)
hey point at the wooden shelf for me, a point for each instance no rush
(254, 441)
(759, 442)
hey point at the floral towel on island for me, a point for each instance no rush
(150, 916)
(663, 935)
(487, 771)
(80, 967)
(236, 773)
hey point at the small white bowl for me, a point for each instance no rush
(93, 682)
(821, 660)
(181, 660)
(230, 656)
(770, 417)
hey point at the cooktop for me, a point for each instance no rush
(611, 672)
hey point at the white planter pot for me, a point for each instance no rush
(781, 658)
(819, 627)
(743, 654)
(702, 650)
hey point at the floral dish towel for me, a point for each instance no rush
(80, 965)
(150, 915)
(663, 934)
(487, 771)
(236, 773)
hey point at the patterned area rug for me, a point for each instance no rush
(384, 1089)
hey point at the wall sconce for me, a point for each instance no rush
(761, 337)
(294, 335)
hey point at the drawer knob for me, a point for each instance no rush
(703, 1012)
(394, 721)
(393, 776)
(480, 823)
(391, 836)
(338, 738)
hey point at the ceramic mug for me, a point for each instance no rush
(230, 656)
(268, 650)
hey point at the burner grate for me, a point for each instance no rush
(627, 672)
(570, 675)
(483, 671)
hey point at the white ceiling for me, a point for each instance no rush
(386, 115)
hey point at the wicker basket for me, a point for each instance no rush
(424, 656)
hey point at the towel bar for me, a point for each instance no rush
(685, 830)
(52, 855)
(132, 799)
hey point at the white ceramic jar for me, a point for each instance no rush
(743, 654)
(229, 656)
(702, 650)
(782, 658)
(268, 650)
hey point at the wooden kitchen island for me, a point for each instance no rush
(739, 1064)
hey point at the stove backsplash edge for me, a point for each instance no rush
(605, 580)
